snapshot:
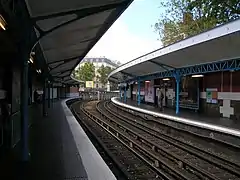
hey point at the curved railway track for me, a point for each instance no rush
(163, 155)
(127, 163)
(198, 146)
(211, 165)
(205, 143)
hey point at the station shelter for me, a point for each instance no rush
(199, 74)
(41, 44)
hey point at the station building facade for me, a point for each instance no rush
(98, 62)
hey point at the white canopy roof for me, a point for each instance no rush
(218, 44)
(67, 30)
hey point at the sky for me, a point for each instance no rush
(132, 35)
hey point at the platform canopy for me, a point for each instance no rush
(218, 44)
(67, 30)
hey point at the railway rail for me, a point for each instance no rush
(127, 164)
(205, 143)
(166, 156)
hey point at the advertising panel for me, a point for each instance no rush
(211, 95)
(149, 91)
(89, 84)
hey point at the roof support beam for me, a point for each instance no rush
(116, 7)
(128, 74)
(52, 68)
(164, 66)
(65, 60)
(114, 78)
(79, 13)
(63, 71)
(69, 45)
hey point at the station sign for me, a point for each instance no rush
(89, 84)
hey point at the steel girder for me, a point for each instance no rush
(228, 65)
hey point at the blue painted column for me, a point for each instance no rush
(198, 94)
(125, 94)
(139, 93)
(178, 79)
(120, 93)
(24, 109)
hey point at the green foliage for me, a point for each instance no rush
(104, 71)
(85, 72)
(222, 10)
(184, 18)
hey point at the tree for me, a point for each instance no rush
(86, 72)
(222, 10)
(104, 71)
(184, 18)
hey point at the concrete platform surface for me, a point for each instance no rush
(219, 124)
(57, 151)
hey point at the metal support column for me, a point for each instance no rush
(125, 94)
(120, 93)
(24, 110)
(52, 94)
(44, 99)
(65, 88)
(139, 93)
(178, 79)
(198, 95)
(48, 94)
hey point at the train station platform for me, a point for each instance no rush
(59, 149)
(223, 124)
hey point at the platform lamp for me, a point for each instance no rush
(166, 79)
(31, 59)
(3, 23)
(197, 76)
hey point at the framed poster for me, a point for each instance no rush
(211, 95)
(149, 91)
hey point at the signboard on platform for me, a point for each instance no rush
(211, 95)
(149, 91)
(89, 84)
